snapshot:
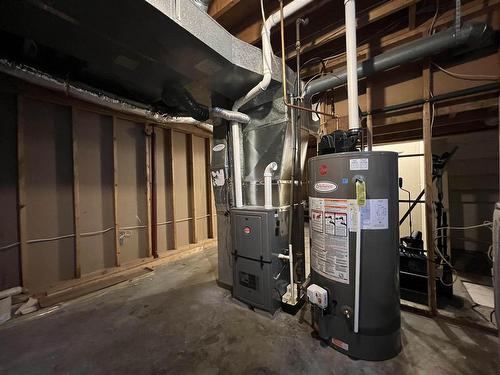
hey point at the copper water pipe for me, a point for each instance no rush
(283, 71)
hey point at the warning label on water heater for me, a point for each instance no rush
(330, 238)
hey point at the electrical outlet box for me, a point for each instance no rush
(317, 296)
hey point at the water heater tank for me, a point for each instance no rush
(363, 324)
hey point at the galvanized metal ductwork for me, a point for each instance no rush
(471, 34)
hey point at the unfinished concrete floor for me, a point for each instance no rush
(178, 321)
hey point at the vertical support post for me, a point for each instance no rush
(21, 193)
(191, 188)
(148, 131)
(76, 195)
(170, 181)
(115, 194)
(429, 190)
(210, 213)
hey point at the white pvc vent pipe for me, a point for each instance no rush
(351, 60)
(267, 53)
(268, 188)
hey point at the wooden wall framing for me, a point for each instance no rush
(98, 162)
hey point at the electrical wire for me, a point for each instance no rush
(484, 224)
(487, 224)
(431, 28)
(50, 238)
(9, 246)
(88, 234)
(470, 77)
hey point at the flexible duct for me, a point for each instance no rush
(228, 115)
(179, 96)
(470, 34)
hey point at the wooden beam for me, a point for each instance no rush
(191, 188)
(364, 19)
(448, 110)
(210, 213)
(115, 194)
(170, 181)
(76, 195)
(399, 37)
(251, 34)
(429, 190)
(21, 192)
(219, 7)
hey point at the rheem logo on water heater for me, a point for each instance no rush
(325, 186)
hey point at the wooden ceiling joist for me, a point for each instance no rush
(219, 7)
(372, 15)
(469, 10)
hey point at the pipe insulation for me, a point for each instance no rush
(267, 53)
(471, 34)
(351, 60)
(89, 95)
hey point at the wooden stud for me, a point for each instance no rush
(429, 190)
(412, 16)
(148, 129)
(210, 216)
(170, 181)
(21, 193)
(115, 194)
(191, 189)
(76, 195)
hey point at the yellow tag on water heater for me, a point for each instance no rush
(360, 193)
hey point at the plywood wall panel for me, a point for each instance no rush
(132, 206)
(95, 164)
(161, 184)
(180, 185)
(9, 257)
(200, 187)
(48, 171)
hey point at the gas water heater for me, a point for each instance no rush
(354, 287)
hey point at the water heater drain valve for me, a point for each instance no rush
(317, 296)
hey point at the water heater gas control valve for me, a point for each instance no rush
(317, 296)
